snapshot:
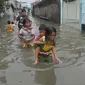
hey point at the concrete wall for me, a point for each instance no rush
(52, 12)
(71, 11)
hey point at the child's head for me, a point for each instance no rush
(54, 30)
(8, 22)
(23, 12)
(50, 33)
(12, 22)
(42, 30)
(27, 23)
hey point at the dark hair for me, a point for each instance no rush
(12, 22)
(8, 22)
(25, 20)
(42, 27)
(54, 30)
(23, 10)
(49, 30)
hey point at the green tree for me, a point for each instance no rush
(2, 5)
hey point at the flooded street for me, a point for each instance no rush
(16, 63)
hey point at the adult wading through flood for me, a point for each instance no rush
(47, 52)
(26, 34)
(25, 30)
(20, 19)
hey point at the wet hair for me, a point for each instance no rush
(49, 30)
(25, 20)
(8, 22)
(12, 22)
(42, 27)
(54, 30)
(23, 10)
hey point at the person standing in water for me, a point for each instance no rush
(20, 19)
(9, 27)
(38, 41)
(25, 33)
(47, 51)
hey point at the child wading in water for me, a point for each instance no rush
(9, 27)
(47, 50)
(38, 41)
(25, 33)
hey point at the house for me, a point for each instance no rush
(59, 11)
(71, 11)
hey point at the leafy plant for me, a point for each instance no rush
(2, 5)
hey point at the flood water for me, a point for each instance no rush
(16, 63)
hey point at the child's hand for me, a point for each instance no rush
(57, 61)
(44, 42)
(30, 27)
(36, 61)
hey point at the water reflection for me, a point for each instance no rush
(47, 77)
(3, 77)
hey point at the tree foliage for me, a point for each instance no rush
(2, 5)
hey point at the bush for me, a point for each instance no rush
(2, 5)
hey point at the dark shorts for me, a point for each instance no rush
(46, 59)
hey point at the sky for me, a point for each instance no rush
(28, 1)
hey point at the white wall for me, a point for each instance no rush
(71, 11)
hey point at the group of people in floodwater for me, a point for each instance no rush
(43, 44)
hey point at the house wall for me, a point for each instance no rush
(71, 11)
(49, 9)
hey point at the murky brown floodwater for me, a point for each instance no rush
(16, 64)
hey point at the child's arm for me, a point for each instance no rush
(37, 51)
(39, 42)
(21, 34)
(30, 28)
(57, 61)
(29, 31)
